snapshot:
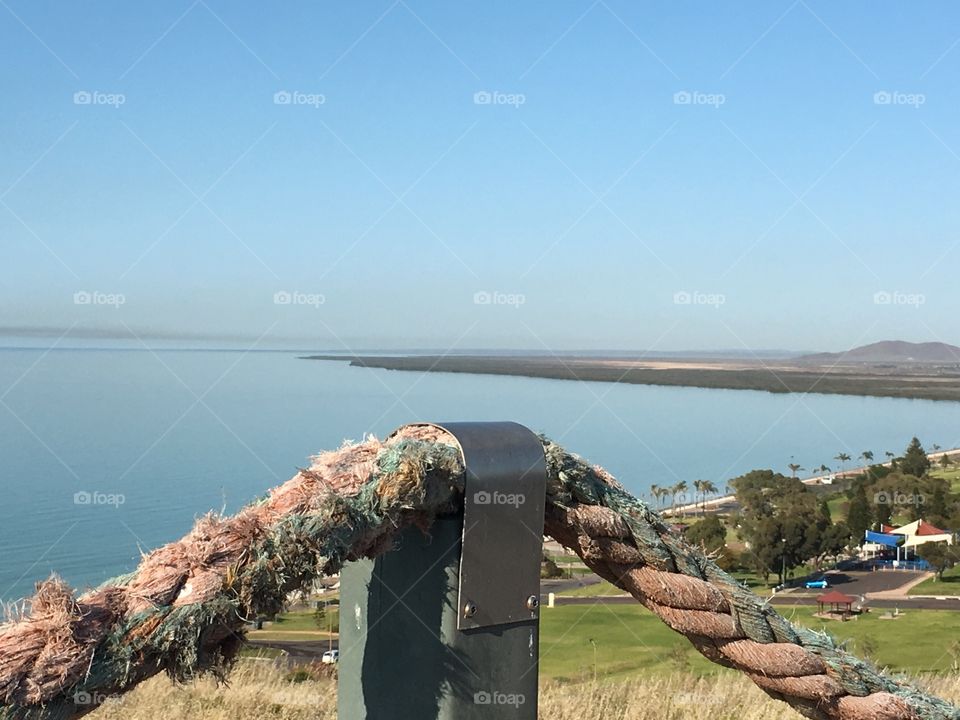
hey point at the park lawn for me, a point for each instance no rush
(630, 639)
(299, 625)
(838, 506)
(949, 585)
(953, 475)
(597, 589)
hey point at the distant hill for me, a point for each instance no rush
(892, 351)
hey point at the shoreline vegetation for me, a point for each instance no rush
(921, 381)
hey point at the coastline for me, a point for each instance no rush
(917, 382)
(717, 502)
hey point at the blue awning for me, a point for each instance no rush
(884, 538)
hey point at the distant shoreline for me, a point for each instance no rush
(919, 382)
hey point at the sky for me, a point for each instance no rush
(542, 176)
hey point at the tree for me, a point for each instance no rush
(867, 456)
(842, 458)
(883, 512)
(945, 461)
(940, 555)
(937, 511)
(655, 494)
(710, 533)
(794, 468)
(784, 523)
(859, 519)
(704, 487)
(915, 461)
(679, 489)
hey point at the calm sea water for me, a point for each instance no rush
(179, 433)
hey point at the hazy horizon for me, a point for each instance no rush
(552, 177)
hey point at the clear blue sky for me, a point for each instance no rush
(782, 197)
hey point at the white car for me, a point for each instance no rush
(330, 657)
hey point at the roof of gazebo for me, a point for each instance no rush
(835, 597)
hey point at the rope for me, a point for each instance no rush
(183, 610)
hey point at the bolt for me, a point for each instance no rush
(533, 602)
(470, 609)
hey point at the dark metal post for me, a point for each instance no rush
(446, 626)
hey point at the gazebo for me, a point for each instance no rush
(836, 599)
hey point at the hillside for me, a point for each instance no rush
(892, 351)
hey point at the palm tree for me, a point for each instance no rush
(655, 494)
(679, 489)
(842, 458)
(823, 468)
(867, 456)
(794, 467)
(705, 487)
(935, 447)
(890, 455)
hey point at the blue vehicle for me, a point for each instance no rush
(819, 584)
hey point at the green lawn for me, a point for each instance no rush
(299, 625)
(629, 639)
(595, 590)
(949, 585)
(953, 475)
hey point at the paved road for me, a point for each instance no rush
(783, 600)
(298, 651)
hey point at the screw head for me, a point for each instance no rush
(470, 609)
(533, 602)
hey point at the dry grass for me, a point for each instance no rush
(259, 689)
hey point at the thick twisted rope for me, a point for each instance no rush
(183, 610)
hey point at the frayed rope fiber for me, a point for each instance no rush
(183, 610)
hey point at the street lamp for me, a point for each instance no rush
(783, 561)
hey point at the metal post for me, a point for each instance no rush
(446, 626)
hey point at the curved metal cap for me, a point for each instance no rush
(506, 479)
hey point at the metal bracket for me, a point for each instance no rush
(506, 479)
